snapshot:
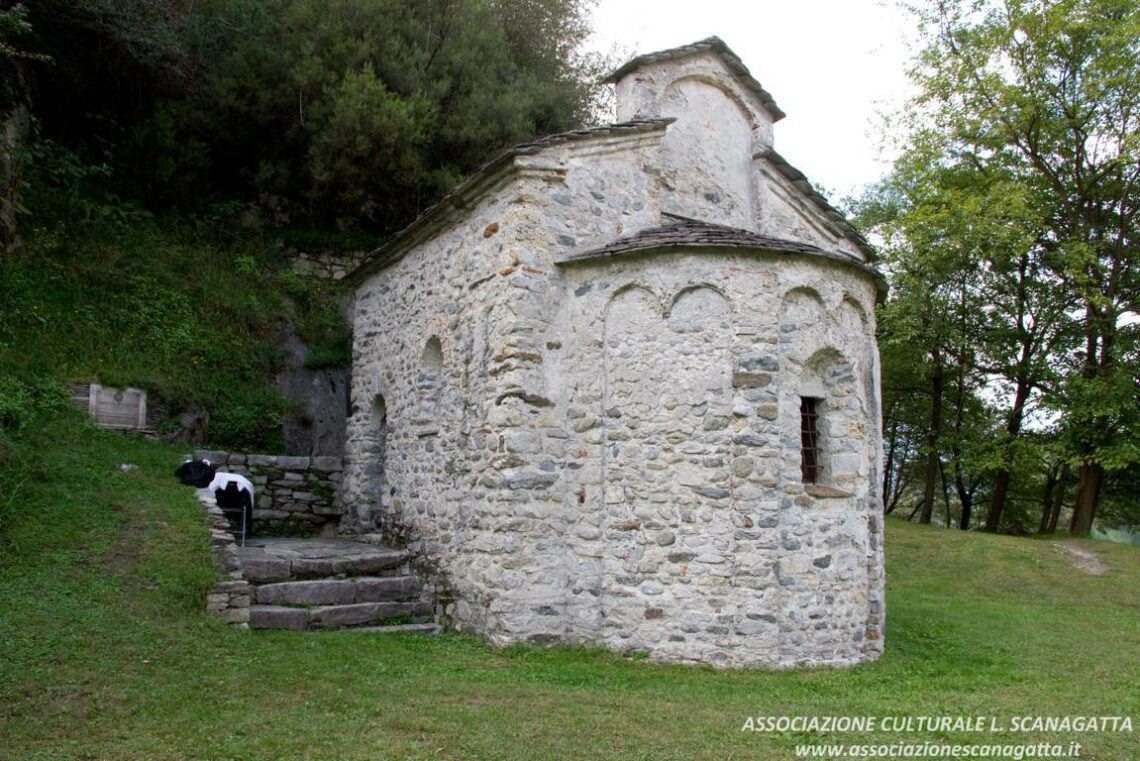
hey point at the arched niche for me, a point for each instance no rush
(801, 295)
(852, 316)
(700, 332)
(631, 352)
(429, 381)
(432, 357)
(707, 153)
(800, 307)
(697, 306)
(632, 309)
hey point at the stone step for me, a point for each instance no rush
(398, 628)
(358, 589)
(278, 617)
(333, 616)
(276, 560)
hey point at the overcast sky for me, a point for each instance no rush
(832, 66)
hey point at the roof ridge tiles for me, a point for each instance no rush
(712, 44)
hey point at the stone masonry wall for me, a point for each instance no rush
(694, 535)
(423, 432)
(608, 451)
(296, 496)
(643, 488)
(230, 597)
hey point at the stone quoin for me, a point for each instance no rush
(621, 387)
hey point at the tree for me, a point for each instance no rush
(14, 119)
(358, 113)
(933, 225)
(1045, 97)
(364, 113)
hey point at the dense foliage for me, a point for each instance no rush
(359, 113)
(1011, 345)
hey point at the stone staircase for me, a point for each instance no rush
(332, 584)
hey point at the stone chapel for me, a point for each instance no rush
(621, 387)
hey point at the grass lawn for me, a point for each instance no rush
(105, 655)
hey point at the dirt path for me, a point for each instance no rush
(1083, 559)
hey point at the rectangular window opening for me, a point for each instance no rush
(810, 455)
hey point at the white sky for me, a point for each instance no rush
(831, 65)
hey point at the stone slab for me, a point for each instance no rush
(339, 591)
(360, 614)
(401, 629)
(271, 559)
(386, 588)
(261, 568)
(276, 617)
(316, 592)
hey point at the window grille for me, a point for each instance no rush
(810, 455)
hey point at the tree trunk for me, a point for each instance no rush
(1058, 499)
(1047, 495)
(13, 133)
(888, 466)
(997, 504)
(1001, 480)
(945, 491)
(932, 455)
(965, 496)
(1089, 478)
(967, 509)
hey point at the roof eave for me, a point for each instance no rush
(603, 254)
(489, 176)
(709, 44)
(800, 181)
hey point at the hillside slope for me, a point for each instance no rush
(195, 310)
(105, 654)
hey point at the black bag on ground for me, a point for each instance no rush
(196, 473)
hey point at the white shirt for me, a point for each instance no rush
(221, 480)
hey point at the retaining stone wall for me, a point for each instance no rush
(296, 496)
(230, 597)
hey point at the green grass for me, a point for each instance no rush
(105, 655)
(191, 311)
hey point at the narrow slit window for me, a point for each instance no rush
(809, 439)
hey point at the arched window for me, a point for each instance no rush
(376, 444)
(432, 358)
(429, 381)
(832, 425)
(811, 455)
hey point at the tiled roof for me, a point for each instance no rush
(621, 128)
(683, 232)
(709, 45)
(801, 183)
